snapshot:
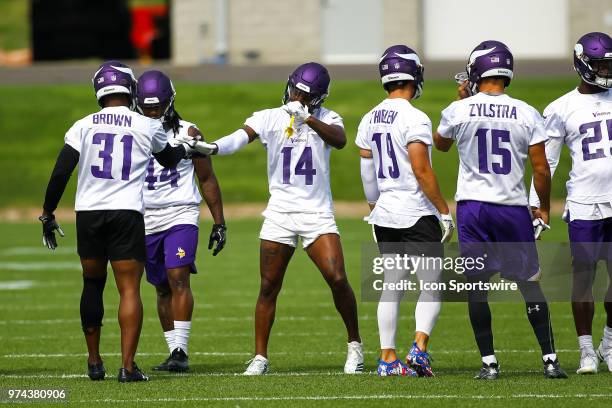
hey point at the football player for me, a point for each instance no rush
(495, 135)
(582, 120)
(112, 149)
(401, 188)
(298, 138)
(172, 212)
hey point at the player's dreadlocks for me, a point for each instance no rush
(172, 120)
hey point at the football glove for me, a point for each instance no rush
(217, 235)
(49, 226)
(197, 146)
(448, 226)
(297, 110)
(539, 226)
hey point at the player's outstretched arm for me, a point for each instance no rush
(368, 177)
(421, 167)
(67, 160)
(541, 178)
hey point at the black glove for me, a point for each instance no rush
(217, 234)
(49, 226)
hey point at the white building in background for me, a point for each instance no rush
(357, 31)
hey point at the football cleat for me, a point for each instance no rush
(96, 371)
(134, 376)
(164, 365)
(179, 361)
(419, 361)
(354, 358)
(553, 370)
(588, 362)
(605, 355)
(258, 365)
(395, 368)
(488, 372)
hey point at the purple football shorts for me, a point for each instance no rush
(169, 249)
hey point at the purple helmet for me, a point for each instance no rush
(489, 59)
(155, 89)
(593, 59)
(401, 63)
(114, 77)
(310, 78)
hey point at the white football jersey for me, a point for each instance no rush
(493, 134)
(114, 146)
(171, 196)
(298, 161)
(387, 130)
(583, 122)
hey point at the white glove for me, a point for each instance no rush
(195, 145)
(538, 227)
(297, 110)
(448, 225)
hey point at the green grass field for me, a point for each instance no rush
(42, 344)
(35, 119)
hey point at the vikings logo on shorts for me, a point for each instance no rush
(180, 253)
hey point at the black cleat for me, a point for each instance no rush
(163, 366)
(96, 371)
(488, 372)
(134, 376)
(178, 361)
(552, 369)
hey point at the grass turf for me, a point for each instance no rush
(42, 340)
(40, 116)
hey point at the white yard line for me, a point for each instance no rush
(16, 285)
(36, 250)
(350, 398)
(39, 266)
(279, 353)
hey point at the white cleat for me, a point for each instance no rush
(354, 358)
(605, 355)
(258, 365)
(588, 362)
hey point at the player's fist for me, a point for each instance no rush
(297, 110)
(448, 226)
(49, 226)
(195, 145)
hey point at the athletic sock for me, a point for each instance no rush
(607, 337)
(585, 342)
(169, 335)
(552, 357)
(538, 315)
(490, 359)
(429, 303)
(480, 317)
(181, 334)
(387, 315)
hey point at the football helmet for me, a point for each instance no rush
(489, 59)
(310, 78)
(114, 77)
(593, 59)
(401, 63)
(155, 89)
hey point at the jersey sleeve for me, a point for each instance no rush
(257, 122)
(362, 134)
(73, 137)
(446, 128)
(159, 138)
(538, 133)
(418, 131)
(553, 124)
(332, 118)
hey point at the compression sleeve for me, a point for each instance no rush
(232, 143)
(368, 178)
(170, 156)
(67, 160)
